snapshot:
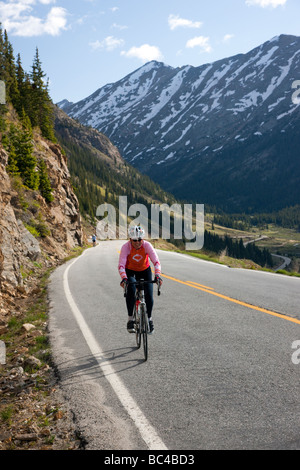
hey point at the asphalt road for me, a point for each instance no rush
(220, 373)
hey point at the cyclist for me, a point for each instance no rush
(134, 265)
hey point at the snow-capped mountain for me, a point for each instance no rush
(225, 133)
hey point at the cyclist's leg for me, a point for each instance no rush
(130, 292)
(130, 299)
(147, 275)
(148, 291)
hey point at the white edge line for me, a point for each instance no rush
(146, 430)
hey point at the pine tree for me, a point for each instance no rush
(12, 165)
(2, 78)
(1, 55)
(21, 104)
(25, 121)
(12, 92)
(21, 140)
(41, 113)
(37, 90)
(44, 182)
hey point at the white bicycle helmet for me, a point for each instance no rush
(135, 232)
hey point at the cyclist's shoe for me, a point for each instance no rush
(151, 327)
(130, 326)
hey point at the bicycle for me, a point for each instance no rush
(140, 316)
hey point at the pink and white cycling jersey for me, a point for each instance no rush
(138, 260)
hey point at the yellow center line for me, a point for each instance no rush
(209, 290)
(192, 284)
(187, 283)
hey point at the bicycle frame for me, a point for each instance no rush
(140, 316)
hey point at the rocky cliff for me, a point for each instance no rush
(34, 235)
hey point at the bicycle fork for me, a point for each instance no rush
(138, 313)
(144, 324)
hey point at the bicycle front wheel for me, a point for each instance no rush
(144, 328)
(138, 332)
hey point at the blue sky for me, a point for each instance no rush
(85, 44)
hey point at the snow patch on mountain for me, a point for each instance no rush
(165, 96)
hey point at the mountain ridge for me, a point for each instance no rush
(200, 132)
(98, 171)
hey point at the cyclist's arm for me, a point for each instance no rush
(125, 250)
(153, 257)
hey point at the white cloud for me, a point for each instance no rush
(227, 37)
(119, 26)
(56, 21)
(109, 43)
(145, 53)
(176, 22)
(13, 10)
(266, 3)
(16, 18)
(201, 42)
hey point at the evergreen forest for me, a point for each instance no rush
(288, 217)
(28, 95)
(237, 249)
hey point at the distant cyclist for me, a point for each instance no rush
(134, 265)
(94, 239)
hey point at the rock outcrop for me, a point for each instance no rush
(22, 250)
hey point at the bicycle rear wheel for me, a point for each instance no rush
(144, 328)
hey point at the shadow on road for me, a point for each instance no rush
(120, 359)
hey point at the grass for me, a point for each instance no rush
(77, 251)
(223, 259)
(287, 273)
(7, 413)
(206, 257)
